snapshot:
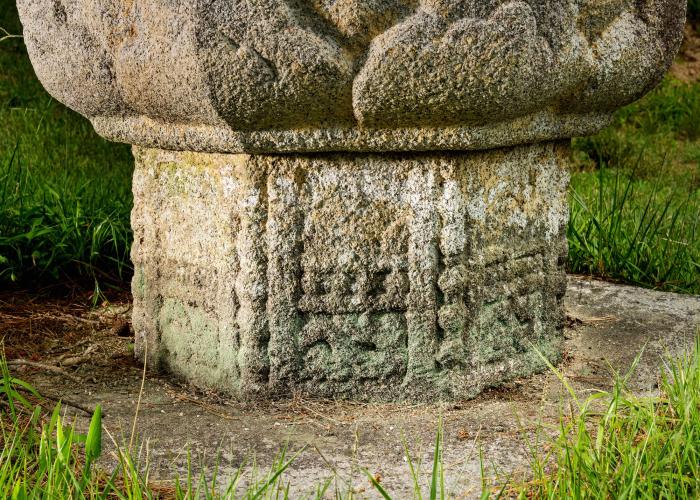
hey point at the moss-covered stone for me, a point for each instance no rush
(415, 276)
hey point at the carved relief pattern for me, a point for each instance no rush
(350, 278)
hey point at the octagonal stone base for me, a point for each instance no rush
(363, 276)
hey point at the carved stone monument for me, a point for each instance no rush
(352, 198)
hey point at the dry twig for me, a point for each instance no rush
(45, 367)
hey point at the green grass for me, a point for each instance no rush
(65, 193)
(660, 129)
(47, 458)
(619, 445)
(635, 194)
(635, 230)
(43, 457)
(611, 444)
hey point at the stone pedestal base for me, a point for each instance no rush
(364, 276)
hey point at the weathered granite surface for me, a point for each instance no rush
(352, 75)
(409, 276)
(377, 258)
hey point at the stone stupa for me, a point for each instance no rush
(358, 199)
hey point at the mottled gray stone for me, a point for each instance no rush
(354, 75)
(308, 214)
(369, 276)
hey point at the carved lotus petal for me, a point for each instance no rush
(305, 75)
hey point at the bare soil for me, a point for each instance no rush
(687, 65)
(84, 357)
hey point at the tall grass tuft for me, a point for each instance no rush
(635, 230)
(61, 225)
(618, 445)
(65, 193)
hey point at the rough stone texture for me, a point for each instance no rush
(339, 271)
(368, 276)
(354, 75)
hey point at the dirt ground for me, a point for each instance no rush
(687, 66)
(84, 357)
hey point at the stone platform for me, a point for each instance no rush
(390, 277)
(608, 327)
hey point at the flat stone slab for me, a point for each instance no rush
(607, 323)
